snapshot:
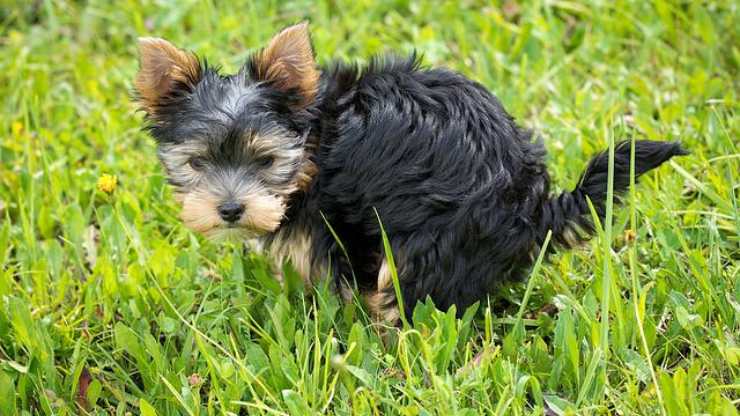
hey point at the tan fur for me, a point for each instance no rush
(199, 212)
(265, 144)
(263, 212)
(380, 311)
(385, 278)
(305, 174)
(381, 303)
(295, 248)
(161, 66)
(289, 63)
(308, 169)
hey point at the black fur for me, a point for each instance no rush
(462, 191)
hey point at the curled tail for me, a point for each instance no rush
(568, 214)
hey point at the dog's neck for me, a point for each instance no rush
(320, 117)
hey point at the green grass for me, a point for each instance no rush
(108, 305)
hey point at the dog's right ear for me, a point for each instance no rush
(164, 71)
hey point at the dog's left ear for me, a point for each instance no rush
(288, 63)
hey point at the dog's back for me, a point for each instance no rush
(461, 190)
(454, 180)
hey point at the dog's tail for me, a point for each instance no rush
(568, 214)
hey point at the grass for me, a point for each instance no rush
(109, 306)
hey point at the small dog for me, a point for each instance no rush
(310, 162)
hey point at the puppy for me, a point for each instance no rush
(310, 161)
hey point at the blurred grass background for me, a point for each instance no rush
(109, 306)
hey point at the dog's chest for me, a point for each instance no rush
(292, 247)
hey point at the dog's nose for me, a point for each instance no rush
(231, 211)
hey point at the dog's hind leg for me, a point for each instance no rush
(381, 302)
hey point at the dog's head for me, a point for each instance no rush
(233, 146)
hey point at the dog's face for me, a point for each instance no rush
(233, 146)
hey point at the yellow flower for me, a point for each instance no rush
(17, 128)
(107, 183)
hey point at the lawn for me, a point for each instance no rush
(108, 305)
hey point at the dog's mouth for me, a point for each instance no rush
(230, 232)
(243, 229)
(224, 230)
(262, 215)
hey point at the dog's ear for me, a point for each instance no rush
(288, 63)
(164, 72)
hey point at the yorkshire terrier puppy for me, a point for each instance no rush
(290, 154)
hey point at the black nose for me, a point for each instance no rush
(231, 211)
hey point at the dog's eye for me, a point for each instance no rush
(265, 161)
(197, 163)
